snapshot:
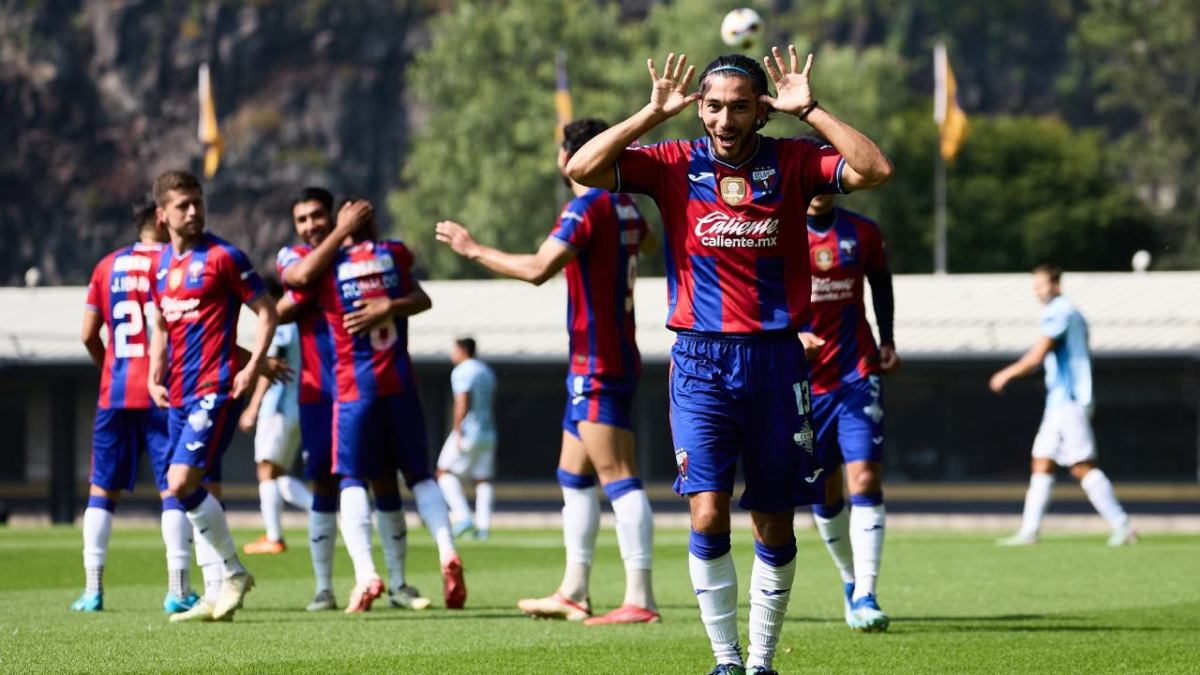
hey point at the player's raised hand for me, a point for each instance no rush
(668, 92)
(370, 313)
(889, 362)
(792, 91)
(354, 215)
(456, 237)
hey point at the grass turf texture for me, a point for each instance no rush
(958, 604)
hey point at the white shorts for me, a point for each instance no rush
(1065, 435)
(277, 440)
(476, 461)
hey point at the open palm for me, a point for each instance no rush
(792, 91)
(668, 93)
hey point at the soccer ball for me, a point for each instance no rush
(741, 28)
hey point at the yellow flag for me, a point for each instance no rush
(950, 118)
(209, 133)
(562, 96)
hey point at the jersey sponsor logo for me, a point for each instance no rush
(823, 259)
(131, 263)
(174, 309)
(733, 190)
(725, 231)
(160, 274)
(700, 177)
(832, 290)
(762, 175)
(363, 288)
(380, 264)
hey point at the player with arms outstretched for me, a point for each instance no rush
(846, 249)
(597, 240)
(201, 283)
(366, 288)
(127, 422)
(733, 204)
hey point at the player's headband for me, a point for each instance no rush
(736, 69)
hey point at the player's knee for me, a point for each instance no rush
(710, 512)
(866, 481)
(773, 529)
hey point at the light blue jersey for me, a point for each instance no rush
(283, 398)
(1069, 365)
(474, 377)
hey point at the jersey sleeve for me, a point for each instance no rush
(1054, 320)
(643, 168)
(403, 258)
(95, 289)
(461, 380)
(286, 257)
(237, 271)
(874, 256)
(820, 167)
(574, 227)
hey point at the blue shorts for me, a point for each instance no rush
(378, 435)
(316, 439)
(599, 399)
(200, 433)
(119, 436)
(849, 423)
(737, 395)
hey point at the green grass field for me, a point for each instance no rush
(959, 605)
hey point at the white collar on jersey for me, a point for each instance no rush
(713, 155)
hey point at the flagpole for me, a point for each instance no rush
(560, 68)
(939, 214)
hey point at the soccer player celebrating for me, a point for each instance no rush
(738, 287)
(273, 415)
(367, 291)
(127, 423)
(846, 248)
(470, 449)
(312, 215)
(201, 282)
(597, 239)
(1065, 436)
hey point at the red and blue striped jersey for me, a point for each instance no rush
(736, 253)
(119, 291)
(605, 231)
(845, 248)
(316, 343)
(200, 294)
(374, 363)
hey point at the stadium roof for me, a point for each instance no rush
(955, 315)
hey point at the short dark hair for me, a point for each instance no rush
(314, 194)
(1050, 270)
(173, 180)
(466, 344)
(737, 65)
(576, 134)
(145, 212)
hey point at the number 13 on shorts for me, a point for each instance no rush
(805, 437)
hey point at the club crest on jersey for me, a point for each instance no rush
(848, 247)
(823, 258)
(762, 178)
(733, 190)
(175, 278)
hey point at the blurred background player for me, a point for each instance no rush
(273, 415)
(1065, 436)
(202, 281)
(127, 422)
(470, 449)
(366, 288)
(597, 239)
(845, 248)
(738, 279)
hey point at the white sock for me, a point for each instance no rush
(177, 536)
(432, 508)
(715, 582)
(485, 501)
(393, 535)
(635, 535)
(97, 528)
(581, 524)
(866, 538)
(1100, 493)
(835, 532)
(209, 520)
(356, 532)
(322, 534)
(452, 490)
(271, 503)
(294, 492)
(770, 590)
(1037, 499)
(211, 568)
